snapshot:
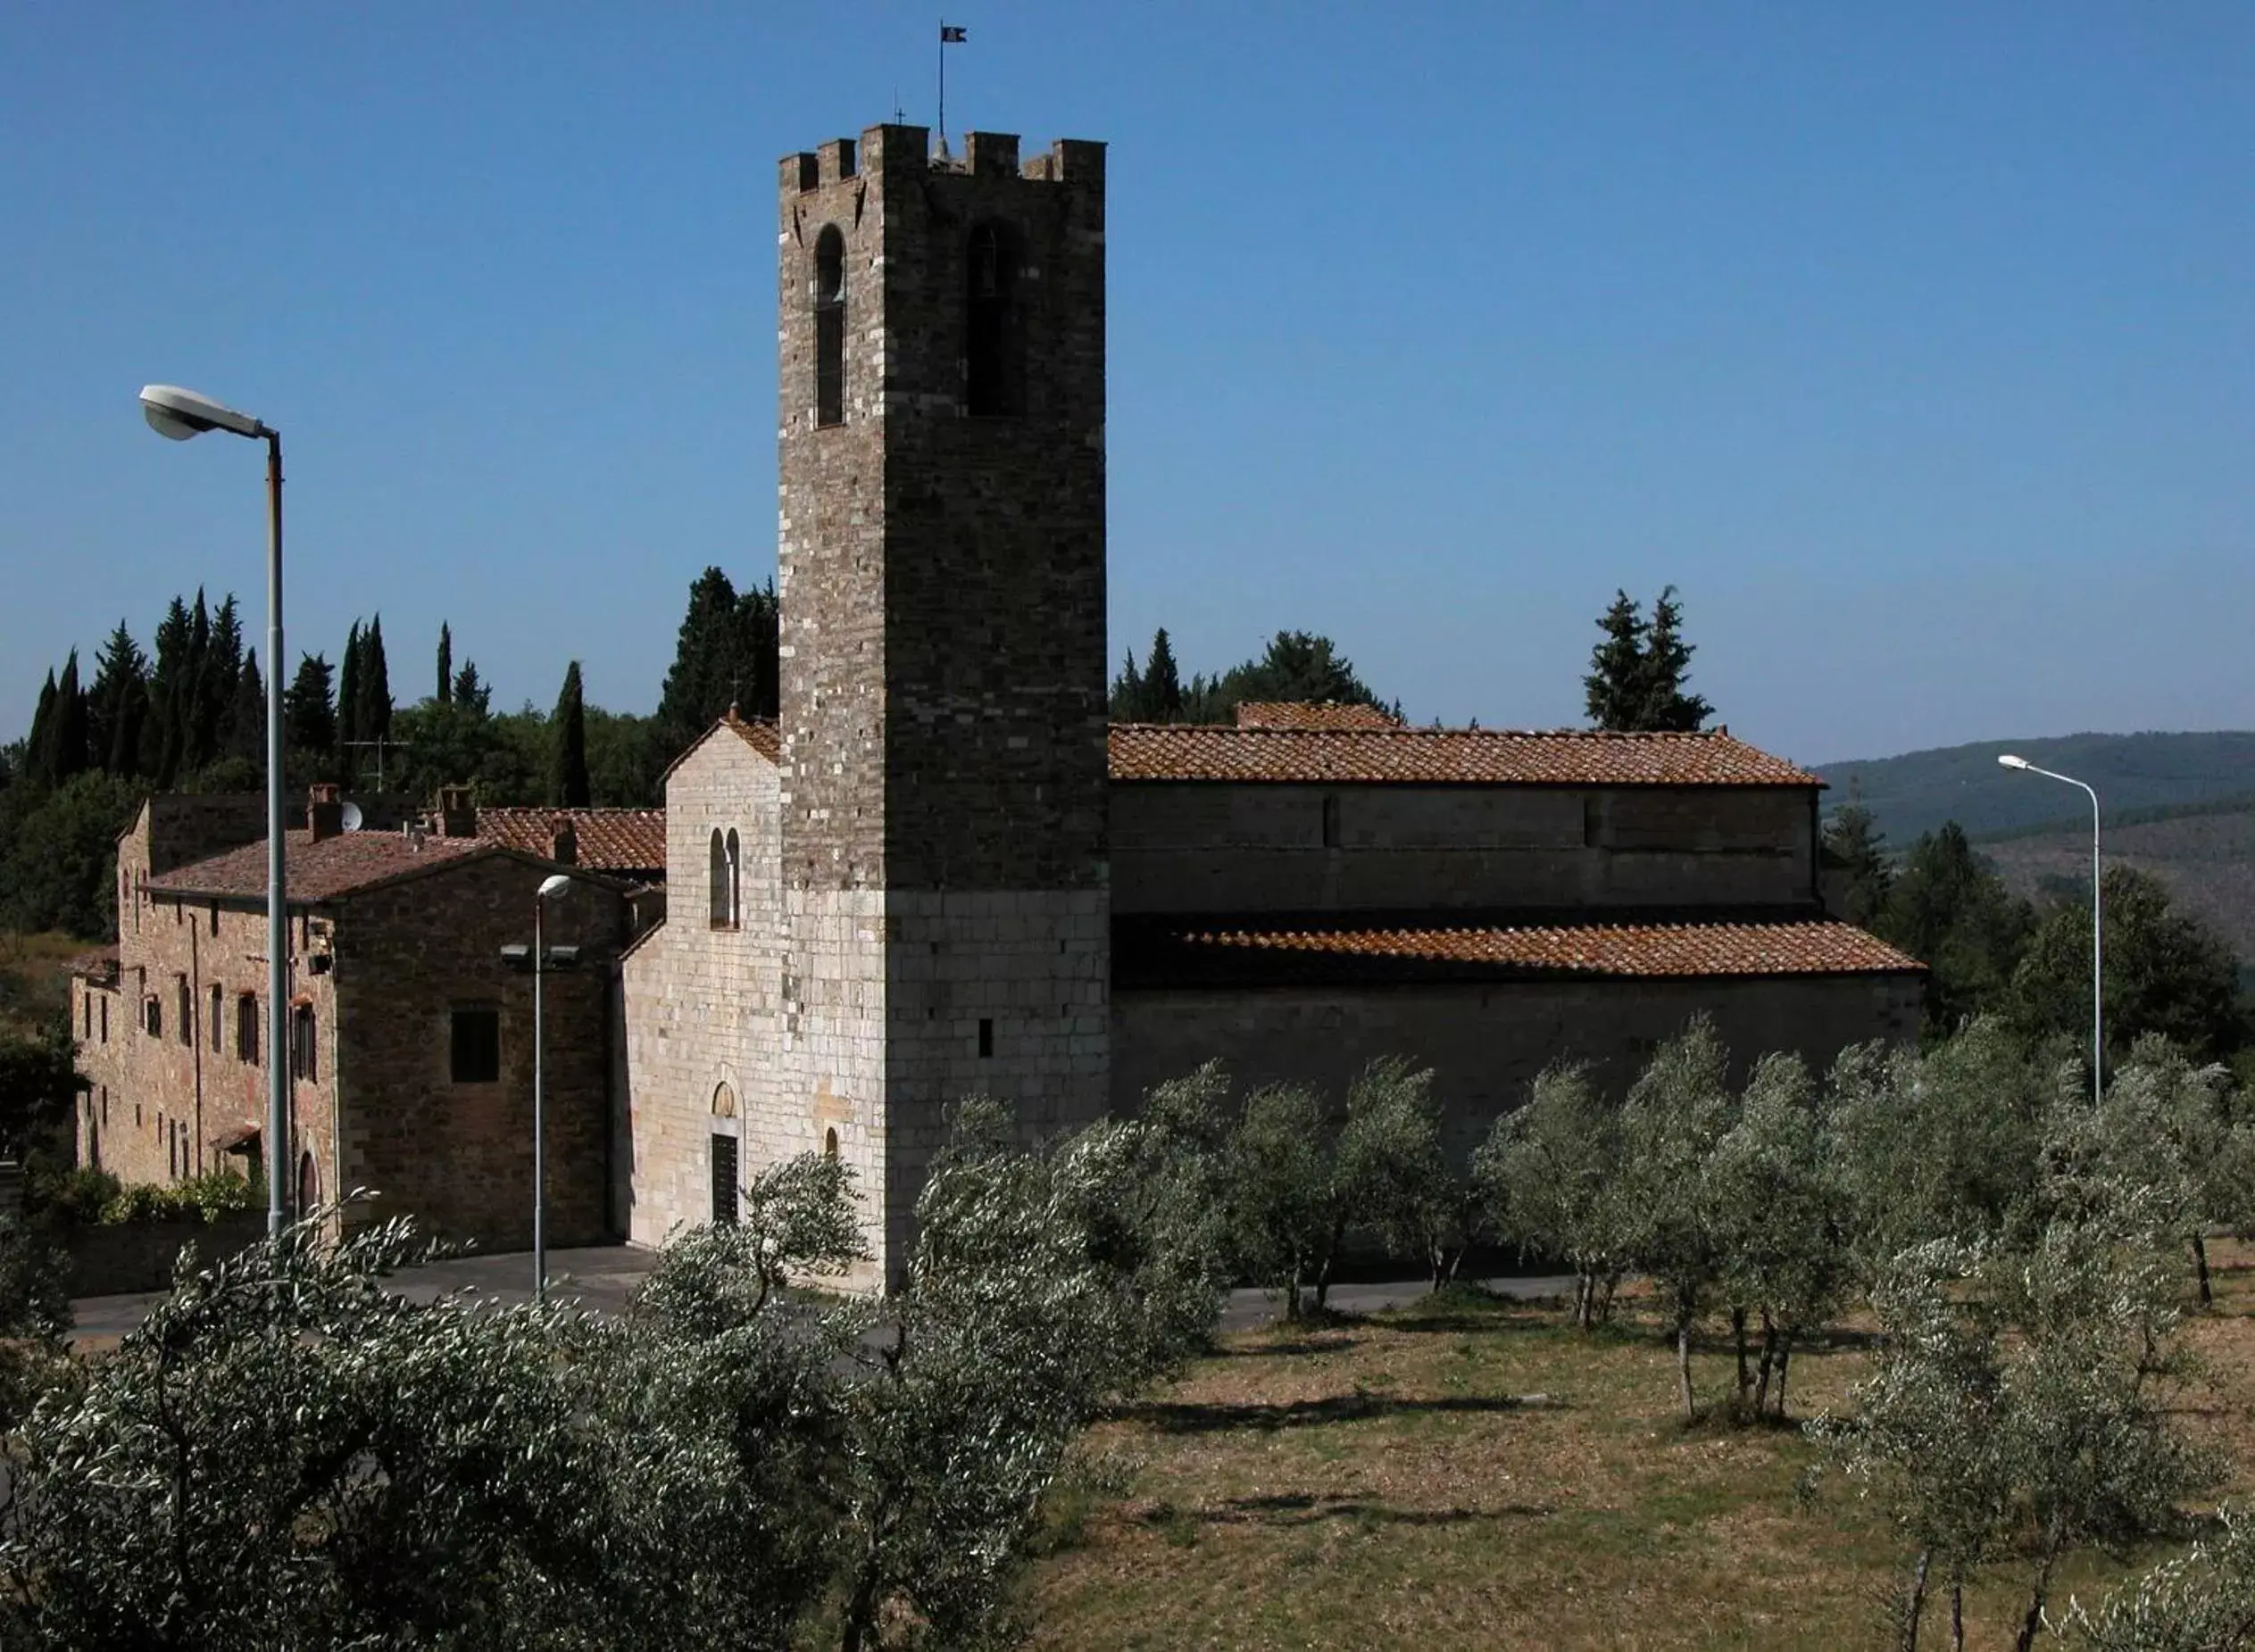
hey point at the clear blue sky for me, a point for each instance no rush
(1915, 342)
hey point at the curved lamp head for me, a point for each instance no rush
(179, 414)
(555, 885)
(2010, 761)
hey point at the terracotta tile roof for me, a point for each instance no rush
(1311, 714)
(758, 732)
(99, 966)
(609, 840)
(1802, 947)
(1441, 757)
(334, 868)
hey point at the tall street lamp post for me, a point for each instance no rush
(549, 889)
(2098, 1009)
(179, 414)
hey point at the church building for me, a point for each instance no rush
(940, 872)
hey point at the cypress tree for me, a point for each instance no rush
(726, 654)
(1666, 664)
(62, 752)
(349, 706)
(374, 712)
(568, 752)
(35, 744)
(246, 722)
(471, 692)
(216, 675)
(188, 753)
(118, 704)
(1616, 684)
(445, 665)
(309, 716)
(1125, 703)
(1163, 683)
(168, 679)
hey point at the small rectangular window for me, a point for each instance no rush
(477, 1046)
(218, 1022)
(246, 1028)
(985, 1038)
(215, 917)
(105, 1017)
(185, 1007)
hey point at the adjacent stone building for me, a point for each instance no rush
(410, 1049)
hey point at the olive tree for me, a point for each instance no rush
(1393, 1171)
(288, 1451)
(2162, 1129)
(2202, 1600)
(2019, 1405)
(1548, 1178)
(1780, 1213)
(1678, 1111)
(1945, 1143)
(1281, 1160)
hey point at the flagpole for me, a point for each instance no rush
(943, 86)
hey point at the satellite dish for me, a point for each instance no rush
(353, 818)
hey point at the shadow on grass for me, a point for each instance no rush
(1184, 1417)
(1287, 1510)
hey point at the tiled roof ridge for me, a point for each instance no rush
(1786, 945)
(1396, 731)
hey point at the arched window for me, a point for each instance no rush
(829, 327)
(309, 1183)
(736, 880)
(829, 1144)
(993, 365)
(723, 875)
(723, 1102)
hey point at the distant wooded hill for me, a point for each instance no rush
(1919, 791)
(2179, 806)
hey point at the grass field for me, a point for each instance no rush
(1476, 1474)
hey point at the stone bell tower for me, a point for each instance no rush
(940, 428)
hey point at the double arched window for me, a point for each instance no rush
(829, 327)
(725, 874)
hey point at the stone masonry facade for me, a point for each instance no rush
(941, 570)
(173, 1028)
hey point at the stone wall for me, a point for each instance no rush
(1244, 849)
(116, 1258)
(165, 1105)
(1487, 1043)
(458, 1157)
(941, 566)
(702, 999)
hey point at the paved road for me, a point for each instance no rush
(604, 1277)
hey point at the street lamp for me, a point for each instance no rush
(179, 414)
(2098, 1010)
(550, 888)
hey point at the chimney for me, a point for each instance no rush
(324, 813)
(457, 815)
(564, 845)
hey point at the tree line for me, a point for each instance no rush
(1991, 952)
(191, 717)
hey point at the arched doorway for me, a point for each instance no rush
(723, 1142)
